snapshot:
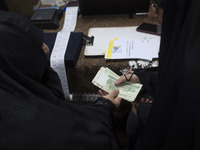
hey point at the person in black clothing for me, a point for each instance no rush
(173, 122)
(142, 105)
(34, 114)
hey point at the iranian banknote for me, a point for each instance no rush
(105, 79)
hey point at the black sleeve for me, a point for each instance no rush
(160, 3)
(105, 103)
(143, 111)
(52, 81)
(148, 77)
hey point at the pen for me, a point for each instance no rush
(131, 68)
(141, 13)
(64, 9)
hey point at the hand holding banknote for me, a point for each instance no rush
(133, 78)
(113, 96)
(105, 79)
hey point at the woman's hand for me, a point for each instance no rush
(136, 104)
(45, 48)
(122, 79)
(111, 96)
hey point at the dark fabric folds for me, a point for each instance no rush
(160, 3)
(135, 124)
(173, 123)
(148, 77)
(33, 112)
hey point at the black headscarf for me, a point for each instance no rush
(174, 120)
(160, 3)
(33, 113)
(3, 5)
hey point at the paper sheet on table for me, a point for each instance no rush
(103, 35)
(146, 48)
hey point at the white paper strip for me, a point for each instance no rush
(58, 53)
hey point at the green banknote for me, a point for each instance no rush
(105, 79)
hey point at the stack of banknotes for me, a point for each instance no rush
(105, 79)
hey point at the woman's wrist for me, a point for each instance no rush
(105, 101)
(132, 78)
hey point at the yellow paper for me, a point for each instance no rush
(110, 48)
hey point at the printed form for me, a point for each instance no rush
(146, 48)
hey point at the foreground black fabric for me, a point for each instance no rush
(3, 5)
(135, 125)
(33, 112)
(174, 120)
(160, 3)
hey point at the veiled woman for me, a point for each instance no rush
(33, 112)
